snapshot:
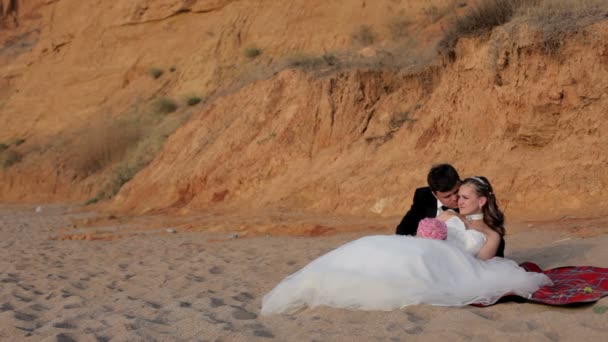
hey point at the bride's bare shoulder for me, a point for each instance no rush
(446, 215)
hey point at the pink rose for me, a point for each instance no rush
(433, 229)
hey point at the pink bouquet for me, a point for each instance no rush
(432, 228)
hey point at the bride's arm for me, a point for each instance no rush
(488, 251)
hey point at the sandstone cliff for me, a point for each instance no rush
(308, 105)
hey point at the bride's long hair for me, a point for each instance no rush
(492, 216)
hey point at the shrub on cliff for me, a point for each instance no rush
(193, 100)
(482, 17)
(554, 18)
(252, 52)
(9, 157)
(104, 143)
(165, 105)
(557, 18)
(363, 36)
(118, 148)
(155, 73)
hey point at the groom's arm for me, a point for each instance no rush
(409, 222)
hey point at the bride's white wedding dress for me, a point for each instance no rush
(387, 272)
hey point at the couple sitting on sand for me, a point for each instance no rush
(459, 262)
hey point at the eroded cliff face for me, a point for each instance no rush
(351, 140)
(360, 141)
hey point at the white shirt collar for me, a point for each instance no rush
(439, 205)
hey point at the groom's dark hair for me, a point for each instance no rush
(442, 178)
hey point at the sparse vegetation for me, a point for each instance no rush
(363, 36)
(557, 18)
(308, 62)
(193, 100)
(482, 17)
(9, 158)
(399, 119)
(172, 69)
(433, 13)
(269, 137)
(252, 52)
(118, 148)
(140, 154)
(165, 105)
(554, 18)
(436, 13)
(399, 28)
(104, 143)
(18, 141)
(3, 147)
(155, 73)
(92, 201)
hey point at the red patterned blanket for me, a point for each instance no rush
(571, 284)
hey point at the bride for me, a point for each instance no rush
(387, 272)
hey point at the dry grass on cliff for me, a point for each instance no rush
(482, 17)
(118, 148)
(104, 142)
(554, 18)
(140, 153)
(8, 158)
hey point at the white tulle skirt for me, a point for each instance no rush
(389, 272)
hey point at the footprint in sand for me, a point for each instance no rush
(64, 325)
(217, 302)
(532, 325)
(412, 317)
(242, 314)
(79, 285)
(9, 280)
(263, 333)
(489, 315)
(38, 307)
(22, 298)
(25, 317)
(260, 330)
(552, 336)
(6, 307)
(215, 270)
(196, 278)
(64, 338)
(227, 326)
(71, 306)
(414, 331)
(153, 305)
(243, 297)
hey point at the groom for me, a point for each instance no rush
(430, 201)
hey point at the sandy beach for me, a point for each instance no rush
(151, 285)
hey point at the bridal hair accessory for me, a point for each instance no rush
(474, 217)
(432, 228)
(480, 180)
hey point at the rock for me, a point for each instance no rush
(171, 230)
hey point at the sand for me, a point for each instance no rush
(150, 285)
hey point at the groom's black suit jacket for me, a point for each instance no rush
(425, 205)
